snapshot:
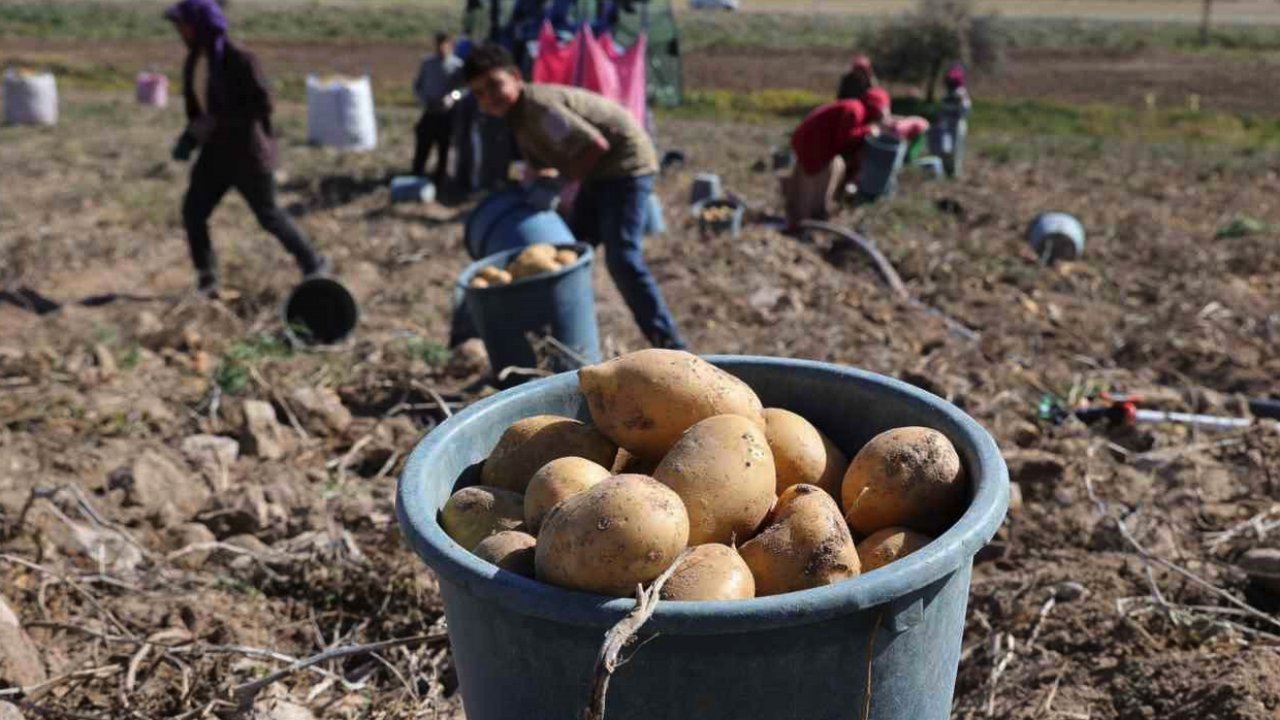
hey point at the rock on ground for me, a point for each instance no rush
(263, 435)
(20, 662)
(156, 484)
(320, 410)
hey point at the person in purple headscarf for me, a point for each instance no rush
(231, 125)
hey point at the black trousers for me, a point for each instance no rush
(434, 130)
(211, 178)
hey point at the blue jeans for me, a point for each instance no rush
(612, 213)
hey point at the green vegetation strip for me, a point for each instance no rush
(404, 21)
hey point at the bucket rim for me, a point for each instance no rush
(948, 553)
(585, 256)
(299, 341)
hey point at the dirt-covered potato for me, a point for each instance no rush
(556, 481)
(474, 513)
(885, 546)
(909, 477)
(807, 546)
(621, 533)
(645, 400)
(478, 282)
(501, 278)
(566, 257)
(490, 272)
(529, 267)
(802, 453)
(538, 250)
(533, 442)
(710, 572)
(510, 550)
(723, 471)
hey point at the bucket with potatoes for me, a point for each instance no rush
(534, 307)
(803, 534)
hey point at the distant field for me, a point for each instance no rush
(1110, 24)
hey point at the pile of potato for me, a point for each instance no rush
(683, 455)
(717, 214)
(533, 260)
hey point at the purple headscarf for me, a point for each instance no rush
(211, 34)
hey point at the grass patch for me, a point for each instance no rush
(1017, 118)
(416, 21)
(233, 373)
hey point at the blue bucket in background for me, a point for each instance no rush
(883, 646)
(505, 220)
(560, 304)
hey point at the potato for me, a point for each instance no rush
(885, 546)
(490, 272)
(510, 550)
(502, 278)
(529, 267)
(538, 250)
(556, 481)
(802, 453)
(533, 442)
(566, 257)
(723, 471)
(909, 477)
(618, 534)
(645, 400)
(626, 464)
(474, 513)
(807, 546)
(710, 572)
(478, 282)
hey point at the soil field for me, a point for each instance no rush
(160, 576)
(1234, 83)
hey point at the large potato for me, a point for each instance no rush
(909, 477)
(807, 546)
(539, 250)
(645, 400)
(534, 260)
(474, 513)
(620, 533)
(723, 471)
(510, 550)
(533, 442)
(555, 482)
(885, 546)
(566, 257)
(710, 572)
(802, 453)
(490, 272)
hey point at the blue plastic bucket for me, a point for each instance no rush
(884, 646)
(560, 304)
(505, 220)
(1056, 236)
(882, 157)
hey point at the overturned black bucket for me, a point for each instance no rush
(320, 311)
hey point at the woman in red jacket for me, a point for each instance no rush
(231, 125)
(826, 143)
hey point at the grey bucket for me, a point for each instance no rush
(526, 650)
(1056, 236)
(560, 303)
(882, 157)
(320, 311)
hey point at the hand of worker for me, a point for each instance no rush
(183, 148)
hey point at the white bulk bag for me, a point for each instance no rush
(30, 98)
(340, 113)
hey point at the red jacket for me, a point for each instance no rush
(837, 128)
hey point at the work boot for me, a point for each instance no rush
(207, 285)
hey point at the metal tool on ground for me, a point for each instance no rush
(1120, 410)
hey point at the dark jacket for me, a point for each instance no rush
(240, 103)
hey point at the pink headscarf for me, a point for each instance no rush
(876, 102)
